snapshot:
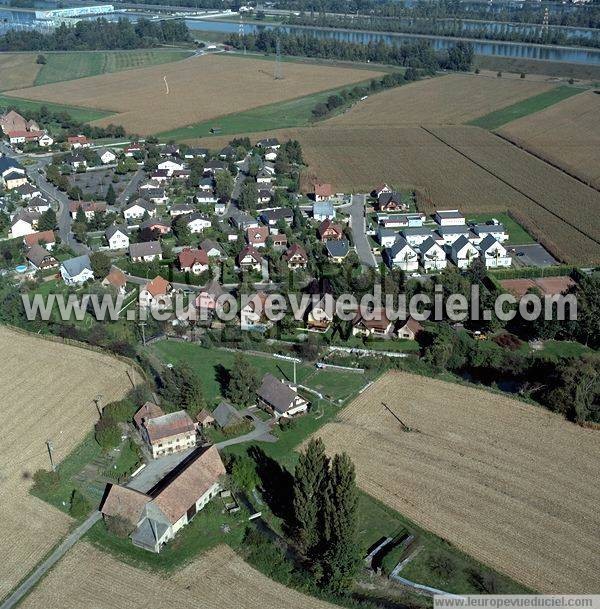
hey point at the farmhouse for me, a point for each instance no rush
(338, 250)
(449, 217)
(328, 231)
(249, 258)
(40, 258)
(156, 518)
(165, 433)
(138, 208)
(323, 210)
(463, 252)
(13, 121)
(24, 137)
(410, 330)
(45, 238)
(89, 208)
(76, 271)
(402, 256)
(296, 257)
(493, 253)
(280, 399)
(155, 292)
(146, 251)
(117, 237)
(193, 261)
(226, 416)
(205, 419)
(257, 237)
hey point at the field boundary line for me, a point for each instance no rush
(521, 192)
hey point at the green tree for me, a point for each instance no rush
(100, 264)
(243, 379)
(47, 220)
(111, 195)
(80, 506)
(182, 231)
(243, 474)
(41, 59)
(224, 184)
(248, 196)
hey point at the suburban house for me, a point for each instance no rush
(257, 236)
(376, 323)
(329, 231)
(495, 229)
(76, 271)
(117, 237)
(433, 255)
(410, 330)
(249, 258)
(269, 142)
(279, 241)
(197, 222)
(116, 279)
(321, 192)
(146, 251)
(208, 298)
(165, 433)
(12, 174)
(23, 223)
(391, 201)
(416, 235)
(195, 153)
(323, 210)
(158, 196)
(89, 208)
(338, 250)
(138, 208)
(252, 314)
(386, 236)
(493, 253)
(155, 292)
(296, 257)
(463, 252)
(170, 166)
(40, 258)
(37, 204)
(264, 196)
(272, 217)
(28, 191)
(78, 141)
(156, 517)
(132, 150)
(226, 416)
(193, 261)
(280, 399)
(160, 175)
(25, 137)
(106, 156)
(44, 238)
(449, 234)
(271, 154)
(162, 227)
(180, 209)
(264, 176)
(321, 314)
(204, 197)
(76, 160)
(449, 217)
(402, 256)
(220, 206)
(242, 220)
(213, 167)
(400, 220)
(212, 248)
(380, 189)
(227, 153)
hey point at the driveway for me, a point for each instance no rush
(358, 225)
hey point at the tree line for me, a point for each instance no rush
(98, 34)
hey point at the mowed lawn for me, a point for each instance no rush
(84, 115)
(517, 235)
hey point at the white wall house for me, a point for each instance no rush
(449, 217)
(21, 227)
(495, 230)
(197, 223)
(117, 238)
(493, 253)
(386, 236)
(107, 156)
(137, 209)
(170, 166)
(433, 256)
(76, 271)
(402, 256)
(449, 234)
(416, 235)
(463, 252)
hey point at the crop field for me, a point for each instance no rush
(511, 484)
(566, 134)
(196, 90)
(87, 577)
(47, 393)
(17, 70)
(452, 99)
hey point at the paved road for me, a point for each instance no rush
(358, 224)
(132, 186)
(58, 553)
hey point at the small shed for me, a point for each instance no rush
(205, 419)
(226, 416)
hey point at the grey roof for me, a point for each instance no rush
(427, 245)
(74, 266)
(111, 230)
(276, 394)
(7, 163)
(27, 216)
(268, 142)
(398, 246)
(460, 243)
(197, 216)
(148, 205)
(387, 232)
(241, 218)
(337, 249)
(13, 175)
(215, 165)
(225, 414)
(449, 213)
(27, 189)
(414, 231)
(487, 228)
(463, 229)
(182, 207)
(487, 242)
(196, 151)
(146, 248)
(209, 244)
(144, 534)
(280, 213)
(386, 197)
(323, 208)
(101, 151)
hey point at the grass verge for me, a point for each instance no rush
(517, 235)
(84, 115)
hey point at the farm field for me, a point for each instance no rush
(80, 114)
(199, 89)
(220, 578)
(17, 70)
(566, 134)
(48, 390)
(480, 470)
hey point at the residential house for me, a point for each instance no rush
(170, 166)
(182, 174)
(165, 434)
(322, 192)
(264, 196)
(106, 156)
(149, 185)
(13, 121)
(226, 417)
(193, 261)
(205, 197)
(372, 323)
(338, 250)
(146, 251)
(45, 140)
(28, 137)
(162, 227)
(212, 248)
(249, 259)
(271, 154)
(272, 217)
(117, 237)
(493, 253)
(410, 330)
(296, 257)
(391, 201)
(323, 210)
(195, 153)
(116, 279)
(169, 150)
(381, 189)
(197, 222)
(160, 175)
(257, 237)
(253, 313)
(204, 419)
(132, 150)
(321, 313)
(138, 208)
(329, 231)
(386, 236)
(158, 196)
(206, 185)
(213, 167)
(280, 399)
(220, 206)
(242, 220)
(264, 177)
(12, 173)
(279, 241)
(495, 229)
(388, 220)
(269, 142)
(463, 252)
(179, 209)
(44, 238)
(228, 153)
(157, 517)
(40, 258)
(76, 160)
(28, 191)
(76, 271)
(402, 256)
(78, 141)
(208, 297)
(449, 217)
(38, 205)
(433, 256)
(449, 234)
(23, 223)
(417, 235)
(156, 292)
(89, 208)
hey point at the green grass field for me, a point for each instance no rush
(496, 119)
(517, 235)
(69, 66)
(85, 115)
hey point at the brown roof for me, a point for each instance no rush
(380, 320)
(167, 425)
(77, 139)
(258, 234)
(179, 495)
(323, 190)
(158, 286)
(413, 325)
(327, 224)
(296, 250)
(249, 250)
(189, 257)
(86, 206)
(204, 416)
(116, 277)
(37, 254)
(46, 235)
(124, 502)
(12, 121)
(148, 411)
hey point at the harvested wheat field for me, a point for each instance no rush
(566, 134)
(220, 579)
(17, 70)
(452, 99)
(199, 88)
(47, 392)
(511, 484)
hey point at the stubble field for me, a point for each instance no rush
(513, 485)
(87, 577)
(199, 89)
(47, 393)
(17, 70)
(566, 134)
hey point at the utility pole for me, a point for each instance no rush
(142, 324)
(97, 401)
(295, 361)
(50, 448)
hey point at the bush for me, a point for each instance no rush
(122, 410)
(107, 432)
(286, 424)
(80, 506)
(45, 481)
(443, 565)
(118, 526)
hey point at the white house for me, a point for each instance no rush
(197, 223)
(463, 252)
(449, 217)
(323, 210)
(280, 399)
(402, 256)
(249, 258)
(76, 271)
(147, 251)
(45, 141)
(493, 253)
(170, 165)
(386, 236)
(449, 234)
(117, 237)
(155, 292)
(433, 256)
(416, 235)
(205, 197)
(138, 208)
(107, 156)
(23, 223)
(495, 229)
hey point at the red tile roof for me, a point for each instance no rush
(124, 503)
(34, 238)
(167, 425)
(189, 257)
(323, 190)
(158, 286)
(257, 235)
